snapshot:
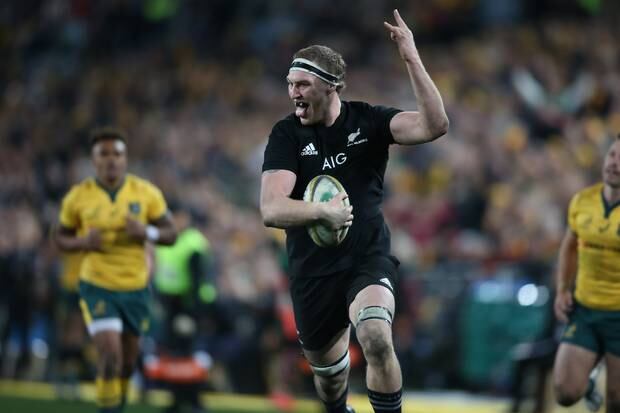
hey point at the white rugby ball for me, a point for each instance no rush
(323, 188)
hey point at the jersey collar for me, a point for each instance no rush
(111, 192)
(606, 206)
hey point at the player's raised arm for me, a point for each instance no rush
(279, 210)
(430, 121)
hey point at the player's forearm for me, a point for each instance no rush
(286, 212)
(430, 104)
(565, 277)
(70, 243)
(167, 235)
(162, 231)
(567, 267)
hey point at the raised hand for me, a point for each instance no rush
(403, 37)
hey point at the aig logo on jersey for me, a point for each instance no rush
(331, 162)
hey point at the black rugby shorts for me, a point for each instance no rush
(321, 304)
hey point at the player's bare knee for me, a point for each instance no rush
(565, 400)
(109, 361)
(377, 349)
(375, 340)
(109, 364)
(566, 396)
(374, 331)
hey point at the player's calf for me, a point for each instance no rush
(613, 400)
(331, 383)
(613, 406)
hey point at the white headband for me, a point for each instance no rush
(304, 65)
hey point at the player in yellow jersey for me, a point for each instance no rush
(109, 218)
(588, 289)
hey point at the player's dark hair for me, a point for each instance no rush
(327, 58)
(107, 133)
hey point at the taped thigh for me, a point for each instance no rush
(333, 369)
(374, 312)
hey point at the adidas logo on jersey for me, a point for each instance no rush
(309, 150)
(386, 282)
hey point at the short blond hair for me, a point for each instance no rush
(326, 58)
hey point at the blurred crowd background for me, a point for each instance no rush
(532, 90)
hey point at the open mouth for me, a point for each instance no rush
(301, 108)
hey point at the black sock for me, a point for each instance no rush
(337, 406)
(385, 402)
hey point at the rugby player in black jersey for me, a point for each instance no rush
(352, 283)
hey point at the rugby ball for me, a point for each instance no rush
(323, 188)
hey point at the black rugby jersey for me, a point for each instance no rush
(354, 150)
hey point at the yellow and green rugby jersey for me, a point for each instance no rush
(121, 265)
(597, 226)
